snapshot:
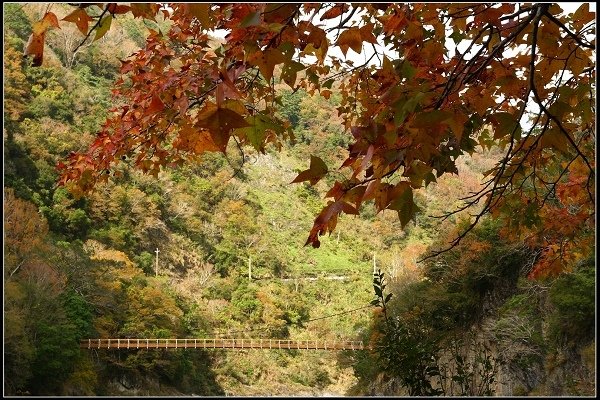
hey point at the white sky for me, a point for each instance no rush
(368, 50)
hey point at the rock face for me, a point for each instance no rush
(522, 358)
(567, 372)
(126, 385)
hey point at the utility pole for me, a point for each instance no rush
(374, 265)
(156, 267)
(249, 268)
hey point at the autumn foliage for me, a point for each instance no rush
(452, 77)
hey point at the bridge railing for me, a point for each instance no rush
(214, 343)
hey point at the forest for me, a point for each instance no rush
(419, 177)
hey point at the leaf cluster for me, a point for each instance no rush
(411, 114)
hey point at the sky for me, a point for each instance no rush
(368, 51)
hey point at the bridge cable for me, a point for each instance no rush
(296, 323)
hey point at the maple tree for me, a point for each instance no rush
(440, 80)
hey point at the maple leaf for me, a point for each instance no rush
(430, 118)
(220, 122)
(327, 220)
(258, 131)
(194, 140)
(252, 19)
(290, 71)
(405, 205)
(350, 38)
(103, 27)
(316, 171)
(80, 18)
(335, 11)
(156, 105)
(266, 61)
(35, 44)
(115, 8)
(408, 117)
(144, 10)
(555, 139)
(201, 12)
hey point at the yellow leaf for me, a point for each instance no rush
(103, 27)
(35, 44)
(49, 20)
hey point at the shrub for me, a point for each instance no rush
(573, 297)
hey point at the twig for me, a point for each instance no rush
(96, 25)
(567, 30)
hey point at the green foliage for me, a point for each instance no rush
(223, 212)
(58, 107)
(427, 318)
(193, 374)
(290, 106)
(54, 112)
(16, 88)
(134, 31)
(408, 352)
(195, 320)
(145, 261)
(20, 172)
(56, 324)
(84, 379)
(118, 237)
(65, 217)
(151, 312)
(247, 306)
(49, 95)
(57, 349)
(16, 20)
(223, 289)
(98, 62)
(79, 313)
(573, 297)
(381, 299)
(486, 262)
(314, 377)
(19, 350)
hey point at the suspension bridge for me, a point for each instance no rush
(232, 344)
(272, 344)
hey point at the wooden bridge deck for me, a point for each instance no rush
(114, 344)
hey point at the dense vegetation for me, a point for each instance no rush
(468, 322)
(475, 326)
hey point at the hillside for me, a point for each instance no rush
(216, 248)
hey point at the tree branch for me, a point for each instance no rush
(568, 31)
(93, 28)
